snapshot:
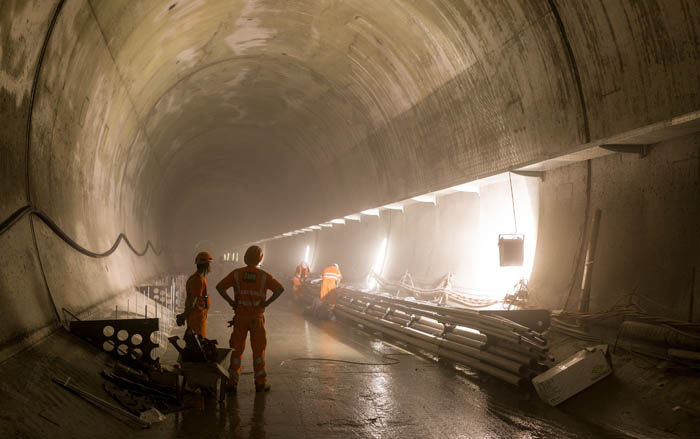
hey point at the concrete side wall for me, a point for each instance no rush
(648, 244)
(649, 237)
(86, 163)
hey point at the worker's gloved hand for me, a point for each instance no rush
(180, 319)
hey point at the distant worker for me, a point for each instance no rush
(250, 285)
(197, 302)
(301, 274)
(331, 278)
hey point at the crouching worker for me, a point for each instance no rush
(197, 301)
(300, 276)
(250, 285)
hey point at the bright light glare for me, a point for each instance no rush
(467, 187)
(315, 227)
(354, 217)
(306, 255)
(427, 198)
(394, 206)
(371, 212)
(378, 266)
(338, 221)
(497, 218)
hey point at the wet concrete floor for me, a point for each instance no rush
(378, 389)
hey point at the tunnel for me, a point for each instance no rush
(399, 139)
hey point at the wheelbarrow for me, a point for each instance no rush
(210, 376)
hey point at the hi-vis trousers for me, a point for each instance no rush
(243, 323)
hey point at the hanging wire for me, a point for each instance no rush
(512, 200)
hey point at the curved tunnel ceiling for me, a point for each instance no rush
(268, 115)
(244, 119)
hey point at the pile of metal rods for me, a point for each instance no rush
(490, 344)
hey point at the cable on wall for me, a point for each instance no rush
(29, 210)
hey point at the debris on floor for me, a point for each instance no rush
(113, 410)
(573, 375)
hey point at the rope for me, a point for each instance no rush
(29, 210)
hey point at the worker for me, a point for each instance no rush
(197, 302)
(250, 285)
(331, 278)
(301, 274)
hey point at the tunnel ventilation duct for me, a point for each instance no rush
(511, 250)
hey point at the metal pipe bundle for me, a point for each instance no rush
(490, 344)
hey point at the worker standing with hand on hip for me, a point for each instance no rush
(250, 285)
(197, 301)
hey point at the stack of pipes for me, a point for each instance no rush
(490, 344)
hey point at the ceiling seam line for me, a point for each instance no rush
(574, 69)
(123, 84)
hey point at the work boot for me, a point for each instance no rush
(262, 388)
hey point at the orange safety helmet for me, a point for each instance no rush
(253, 255)
(203, 258)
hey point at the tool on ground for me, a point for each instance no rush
(115, 411)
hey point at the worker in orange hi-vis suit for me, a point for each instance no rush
(302, 272)
(197, 302)
(250, 285)
(331, 278)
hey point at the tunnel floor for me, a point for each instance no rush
(411, 396)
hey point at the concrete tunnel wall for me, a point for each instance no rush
(648, 244)
(225, 122)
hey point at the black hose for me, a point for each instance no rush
(391, 362)
(29, 210)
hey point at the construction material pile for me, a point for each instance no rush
(488, 343)
(633, 329)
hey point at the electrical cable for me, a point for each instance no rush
(392, 361)
(29, 210)
(512, 200)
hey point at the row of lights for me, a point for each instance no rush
(430, 198)
(232, 256)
